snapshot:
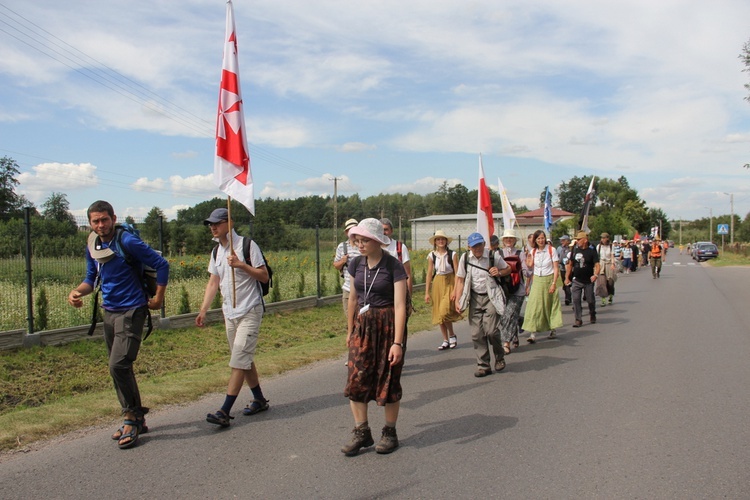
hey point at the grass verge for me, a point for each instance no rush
(729, 259)
(48, 391)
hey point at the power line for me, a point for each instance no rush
(44, 42)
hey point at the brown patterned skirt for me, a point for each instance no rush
(370, 375)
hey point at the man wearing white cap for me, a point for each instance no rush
(345, 252)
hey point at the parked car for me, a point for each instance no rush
(705, 251)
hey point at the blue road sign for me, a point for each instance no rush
(722, 229)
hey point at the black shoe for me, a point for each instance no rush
(483, 372)
(578, 323)
(388, 441)
(567, 302)
(593, 319)
(362, 439)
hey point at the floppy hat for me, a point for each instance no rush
(581, 234)
(604, 235)
(509, 233)
(475, 239)
(439, 234)
(371, 228)
(99, 252)
(218, 215)
(350, 224)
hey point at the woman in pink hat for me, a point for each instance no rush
(376, 336)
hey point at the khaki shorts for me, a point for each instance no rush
(242, 334)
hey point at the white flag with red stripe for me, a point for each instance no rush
(232, 162)
(485, 222)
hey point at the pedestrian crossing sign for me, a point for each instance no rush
(722, 229)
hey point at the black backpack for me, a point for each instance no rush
(145, 274)
(264, 287)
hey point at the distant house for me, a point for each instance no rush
(459, 226)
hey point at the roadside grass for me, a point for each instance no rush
(730, 259)
(49, 391)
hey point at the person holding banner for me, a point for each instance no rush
(239, 282)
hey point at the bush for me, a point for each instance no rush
(184, 307)
(41, 311)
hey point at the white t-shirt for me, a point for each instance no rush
(247, 289)
(404, 251)
(352, 251)
(543, 261)
(443, 265)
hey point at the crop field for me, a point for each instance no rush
(295, 275)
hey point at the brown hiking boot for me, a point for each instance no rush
(388, 441)
(362, 439)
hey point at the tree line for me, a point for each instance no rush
(288, 224)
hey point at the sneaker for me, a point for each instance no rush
(610, 299)
(500, 365)
(482, 372)
(362, 439)
(219, 418)
(604, 301)
(388, 441)
(256, 406)
(453, 341)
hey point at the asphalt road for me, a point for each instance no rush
(651, 402)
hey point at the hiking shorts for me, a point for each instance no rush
(242, 335)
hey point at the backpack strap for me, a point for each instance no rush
(399, 251)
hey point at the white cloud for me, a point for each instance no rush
(422, 186)
(56, 177)
(356, 147)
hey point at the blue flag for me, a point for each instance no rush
(547, 210)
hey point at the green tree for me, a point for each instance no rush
(570, 194)
(11, 203)
(150, 229)
(56, 208)
(745, 58)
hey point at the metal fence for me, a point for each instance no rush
(34, 289)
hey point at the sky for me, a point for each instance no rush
(117, 100)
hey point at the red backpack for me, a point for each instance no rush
(513, 281)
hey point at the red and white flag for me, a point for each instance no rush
(232, 162)
(485, 223)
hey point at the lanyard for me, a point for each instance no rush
(367, 290)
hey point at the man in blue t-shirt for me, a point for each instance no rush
(126, 306)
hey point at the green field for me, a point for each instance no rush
(295, 275)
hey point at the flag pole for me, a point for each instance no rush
(231, 249)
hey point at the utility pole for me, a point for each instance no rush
(335, 207)
(731, 221)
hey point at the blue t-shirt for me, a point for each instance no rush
(121, 285)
